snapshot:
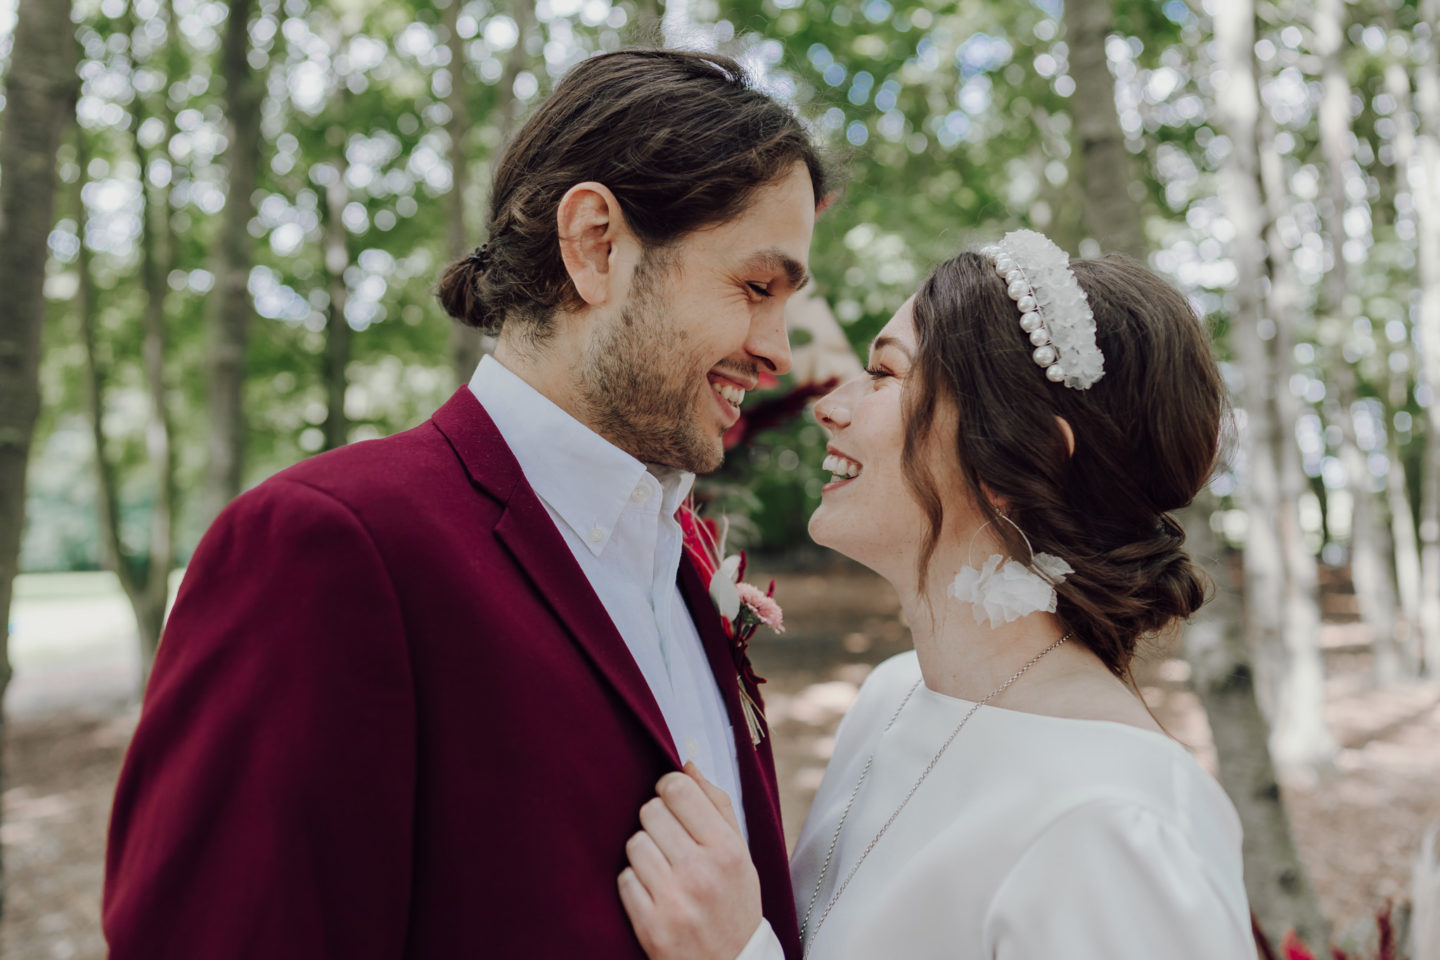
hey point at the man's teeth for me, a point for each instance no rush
(841, 467)
(729, 392)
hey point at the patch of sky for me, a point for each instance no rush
(981, 53)
(1178, 11)
(820, 56)
(860, 88)
(953, 128)
(834, 74)
(878, 11)
(975, 95)
(857, 133)
(1051, 8)
(888, 96)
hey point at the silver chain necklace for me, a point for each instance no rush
(834, 840)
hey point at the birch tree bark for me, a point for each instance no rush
(1427, 217)
(234, 256)
(1214, 640)
(1106, 176)
(1374, 584)
(40, 92)
(145, 577)
(1281, 612)
(466, 342)
(1276, 882)
(1402, 518)
(338, 334)
(648, 17)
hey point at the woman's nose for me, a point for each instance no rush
(832, 411)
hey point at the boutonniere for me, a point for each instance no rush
(742, 607)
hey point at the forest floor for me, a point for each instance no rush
(1357, 827)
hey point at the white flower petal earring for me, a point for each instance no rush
(1005, 590)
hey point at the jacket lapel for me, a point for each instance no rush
(756, 778)
(757, 765)
(528, 532)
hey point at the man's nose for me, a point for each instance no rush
(769, 341)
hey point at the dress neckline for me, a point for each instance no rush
(924, 690)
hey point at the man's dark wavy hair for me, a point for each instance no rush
(682, 139)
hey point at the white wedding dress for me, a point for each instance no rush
(1034, 838)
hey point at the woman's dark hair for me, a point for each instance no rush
(1147, 437)
(680, 138)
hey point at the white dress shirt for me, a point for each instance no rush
(618, 517)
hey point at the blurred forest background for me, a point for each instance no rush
(222, 224)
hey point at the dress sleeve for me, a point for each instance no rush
(265, 805)
(763, 945)
(1116, 880)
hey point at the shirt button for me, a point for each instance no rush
(597, 535)
(692, 749)
(640, 494)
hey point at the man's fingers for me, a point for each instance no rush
(718, 797)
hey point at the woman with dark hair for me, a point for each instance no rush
(1010, 462)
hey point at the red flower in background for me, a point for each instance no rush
(771, 412)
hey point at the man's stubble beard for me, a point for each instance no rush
(640, 390)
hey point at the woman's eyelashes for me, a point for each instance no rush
(760, 289)
(878, 373)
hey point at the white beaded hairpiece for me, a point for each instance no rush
(1053, 308)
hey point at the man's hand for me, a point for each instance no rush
(690, 890)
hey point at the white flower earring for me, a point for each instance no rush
(1005, 590)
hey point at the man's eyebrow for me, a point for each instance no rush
(882, 342)
(775, 259)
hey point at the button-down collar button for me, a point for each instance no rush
(640, 494)
(692, 749)
(597, 535)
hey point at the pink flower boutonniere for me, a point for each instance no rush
(742, 607)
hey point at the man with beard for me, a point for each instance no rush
(414, 691)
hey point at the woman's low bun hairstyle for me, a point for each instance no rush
(1147, 436)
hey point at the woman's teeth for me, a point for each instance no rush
(842, 468)
(729, 392)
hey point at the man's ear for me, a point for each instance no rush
(589, 225)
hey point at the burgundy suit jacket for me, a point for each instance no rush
(391, 719)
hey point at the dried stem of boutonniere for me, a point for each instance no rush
(743, 608)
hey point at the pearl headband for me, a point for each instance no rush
(1053, 308)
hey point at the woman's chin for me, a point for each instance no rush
(823, 532)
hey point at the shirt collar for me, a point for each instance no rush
(579, 474)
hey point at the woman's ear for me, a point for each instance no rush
(1068, 432)
(589, 225)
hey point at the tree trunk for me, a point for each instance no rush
(1427, 218)
(1105, 170)
(233, 310)
(1221, 671)
(40, 92)
(1221, 674)
(338, 334)
(1374, 584)
(466, 342)
(1402, 517)
(648, 16)
(1281, 612)
(147, 579)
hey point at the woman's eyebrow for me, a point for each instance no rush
(885, 341)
